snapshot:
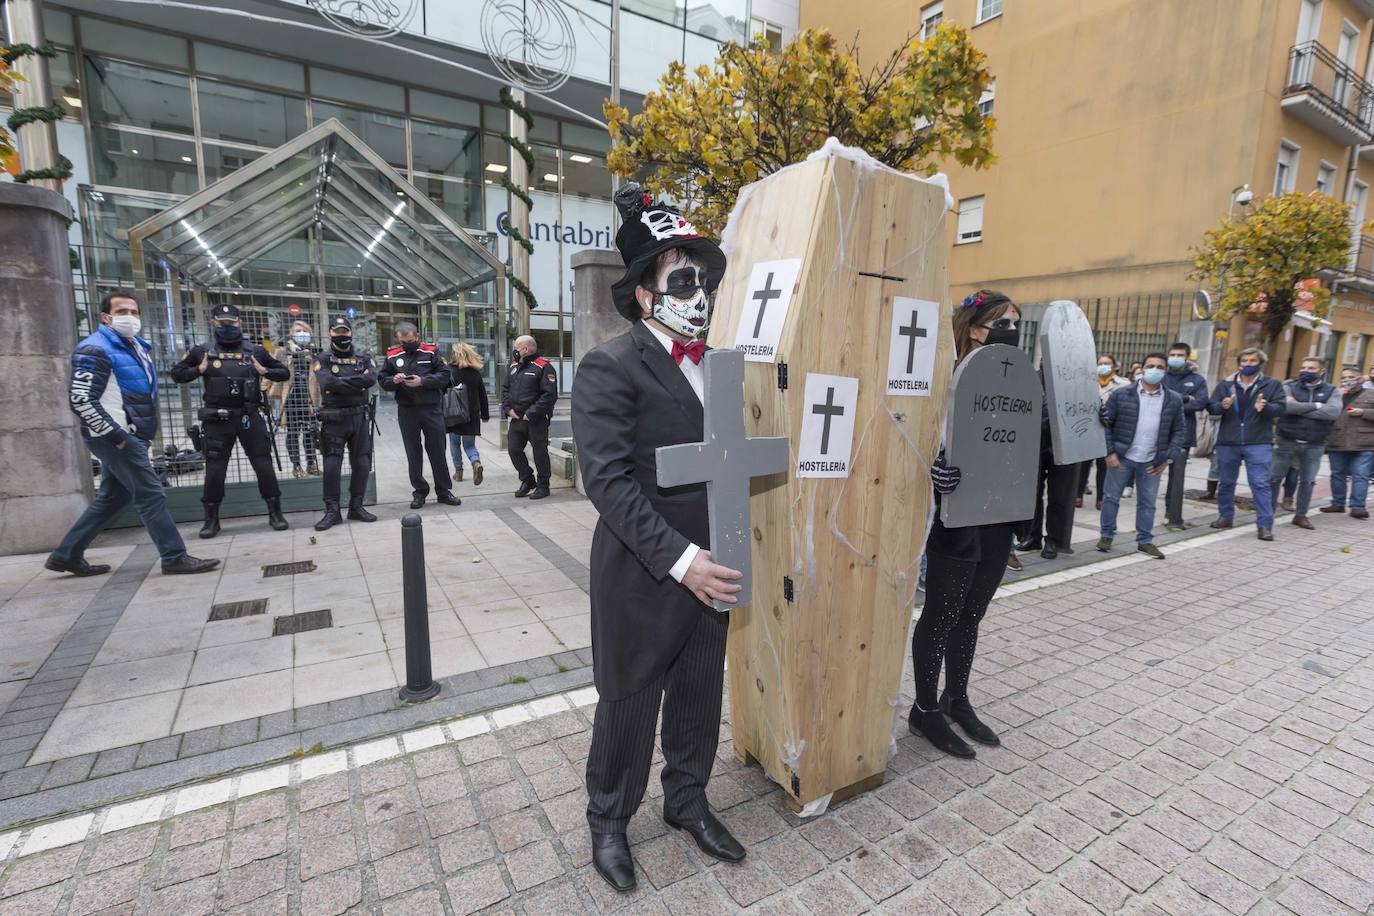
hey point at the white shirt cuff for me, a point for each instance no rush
(683, 562)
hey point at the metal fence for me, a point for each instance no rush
(1127, 327)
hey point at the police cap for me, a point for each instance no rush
(340, 322)
(223, 312)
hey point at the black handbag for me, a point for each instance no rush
(455, 406)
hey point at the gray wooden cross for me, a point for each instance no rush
(725, 462)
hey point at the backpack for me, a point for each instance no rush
(455, 406)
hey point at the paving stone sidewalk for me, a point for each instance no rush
(1191, 736)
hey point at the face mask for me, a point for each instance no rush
(229, 335)
(1104, 371)
(1153, 376)
(1308, 378)
(1177, 362)
(1009, 336)
(342, 342)
(1249, 370)
(126, 325)
(301, 337)
(410, 346)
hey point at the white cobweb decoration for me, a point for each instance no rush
(372, 18)
(530, 41)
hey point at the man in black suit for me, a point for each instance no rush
(655, 635)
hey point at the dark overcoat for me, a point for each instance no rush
(629, 398)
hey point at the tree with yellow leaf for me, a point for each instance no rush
(1257, 263)
(703, 136)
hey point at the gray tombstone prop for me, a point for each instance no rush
(1069, 363)
(992, 435)
(725, 462)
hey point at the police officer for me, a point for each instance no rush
(343, 377)
(531, 390)
(233, 375)
(417, 375)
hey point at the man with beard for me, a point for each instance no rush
(655, 636)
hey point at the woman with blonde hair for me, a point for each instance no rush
(465, 367)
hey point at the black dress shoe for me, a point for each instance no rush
(1050, 551)
(612, 860)
(76, 567)
(961, 711)
(188, 566)
(712, 837)
(1030, 545)
(539, 493)
(934, 727)
(525, 489)
(416, 502)
(448, 499)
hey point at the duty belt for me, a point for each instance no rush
(344, 411)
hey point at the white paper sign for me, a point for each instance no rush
(765, 309)
(827, 427)
(911, 350)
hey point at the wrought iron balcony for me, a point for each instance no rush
(1327, 94)
(1361, 271)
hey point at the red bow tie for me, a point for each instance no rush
(693, 351)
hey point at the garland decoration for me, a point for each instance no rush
(510, 103)
(14, 52)
(60, 172)
(35, 113)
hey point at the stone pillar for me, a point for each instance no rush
(595, 319)
(45, 477)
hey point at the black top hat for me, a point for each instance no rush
(221, 312)
(647, 230)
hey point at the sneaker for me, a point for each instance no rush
(1104, 544)
(1150, 550)
(1014, 563)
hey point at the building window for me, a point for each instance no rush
(1326, 178)
(970, 220)
(769, 31)
(986, 99)
(1286, 172)
(988, 9)
(931, 17)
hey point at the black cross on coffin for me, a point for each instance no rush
(763, 297)
(911, 332)
(725, 462)
(828, 410)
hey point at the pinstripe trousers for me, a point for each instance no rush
(623, 735)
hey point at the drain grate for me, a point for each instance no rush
(233, 610)
(302, 622)
(288, 569)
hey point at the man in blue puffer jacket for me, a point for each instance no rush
(1145, 431)
(118, 419)
(1248, 403)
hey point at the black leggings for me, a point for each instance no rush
(958, 593)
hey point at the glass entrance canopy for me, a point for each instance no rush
(328, 179)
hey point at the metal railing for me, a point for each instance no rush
(1314, 69)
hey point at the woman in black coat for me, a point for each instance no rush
(465, 368)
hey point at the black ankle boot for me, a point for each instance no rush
(331, 516)
(356, 512)
(934, 727)
(211, 526)
(274, 516)
(961, 712)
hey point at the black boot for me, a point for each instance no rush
(1211, 493)
(211, 526)
(961, 711)
(934, 727)
(274, 516)
(356, 512)
(331, 516)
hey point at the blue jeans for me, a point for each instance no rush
(1358, 466)
(1258, 460)
(1309, 456)
(1131, 474)
(457, 445)
(126, 475)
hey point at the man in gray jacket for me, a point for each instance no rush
(1312, 409)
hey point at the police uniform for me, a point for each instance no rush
(531, 390)
(419, 415)
(232, 412)
(343, 378)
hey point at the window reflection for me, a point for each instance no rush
(585, 175)
(460, 201)
(229, 112)
(143, 161)
(383, 132)
(222, 160)
(440, 150)
(121, 93)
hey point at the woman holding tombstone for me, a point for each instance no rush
(964, 567)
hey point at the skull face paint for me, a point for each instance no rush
(680, 301)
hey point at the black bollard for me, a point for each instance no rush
(420, 683)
